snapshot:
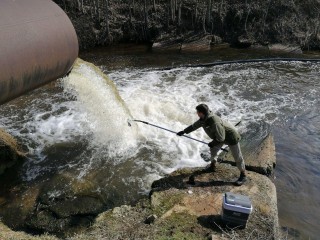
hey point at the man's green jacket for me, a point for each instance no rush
(217, 129)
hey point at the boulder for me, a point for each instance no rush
(191, 43)
(215, 40)
(243, 42)
(167, 45)
(257, 147)
(150, 219)
(7, 233)
(10, 152)
(260, 157)
(65, 202)
(195, 45)
(285, 48)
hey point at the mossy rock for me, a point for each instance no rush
(45, 221)
(8, 234)
(64, 202)
(10, 152)
(81, 205)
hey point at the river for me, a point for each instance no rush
(76, 126)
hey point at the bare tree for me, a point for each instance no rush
(154, 5)
(209, 8)
(107, 19)
(179, 12)
(173, 10)
(145, 11)
(248, 12)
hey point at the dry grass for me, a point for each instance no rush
(7, 234)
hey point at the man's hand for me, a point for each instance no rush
(180, 133)
(212, 144)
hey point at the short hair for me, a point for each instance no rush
(203, 108)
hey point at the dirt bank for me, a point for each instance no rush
(240, 23)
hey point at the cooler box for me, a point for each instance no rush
(236, 209)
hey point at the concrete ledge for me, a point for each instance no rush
(260, 159)
(204, 201)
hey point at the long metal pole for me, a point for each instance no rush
(147, 123)
(170, 131)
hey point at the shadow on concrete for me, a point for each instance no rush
(183, 180)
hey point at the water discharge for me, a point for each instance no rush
(106, 113)
(78, 126)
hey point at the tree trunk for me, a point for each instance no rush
(82, 9)
(98, 9)
(95, 7)
(179, 13)
(209, 7)
(91, 9)
(154, 5)
(196, 12)
(248, 12)
(204, 23)
(107, 20)
(145, 19)
(173, 10)
(130, 11)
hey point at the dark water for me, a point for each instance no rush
(296, 128)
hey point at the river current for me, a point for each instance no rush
(79, 124)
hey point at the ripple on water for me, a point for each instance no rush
(69, 127)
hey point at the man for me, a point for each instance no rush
(221, 133)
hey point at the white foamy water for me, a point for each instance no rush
(106, 113)
(79, 125)
(88, 114)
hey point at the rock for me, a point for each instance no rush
(243, 42)
(285, 48)
(261, 159)
(201, 44)
(167, 45)
(150, 219)
(181, 215)
(7, 233)
(10, 152)
(79, 205)
(215, 40)
(257, 148)
(64, 202)
(121, 211)
(16, 210)
(45, 221)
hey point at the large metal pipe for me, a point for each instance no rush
(38, 44)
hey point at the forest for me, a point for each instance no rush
(105, 22)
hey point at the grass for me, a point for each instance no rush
(7, 234)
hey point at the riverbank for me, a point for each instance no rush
(136, 79)
(239, 23)
(176, 209)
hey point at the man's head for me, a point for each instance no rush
(202, 110)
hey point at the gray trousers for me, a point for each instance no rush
(236, 153)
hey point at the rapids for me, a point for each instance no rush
(78, 125)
